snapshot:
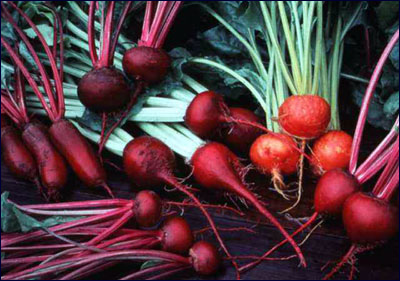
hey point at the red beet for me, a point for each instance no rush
(332, 190)
(52, 166)
(332, 150)
(148, 208)
(103, 90)
(16, 155)
(205, 258)
(304, 116)
(206, 114)
(177, 237)
(146, 63)
(239, 136)
(217, 168)
(369, 220)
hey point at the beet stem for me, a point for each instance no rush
(169, 273)
(366, 102)
(83, 204)
(141, 273)
(168, 24)
(91, 33)
(104, 60)
(117, 32)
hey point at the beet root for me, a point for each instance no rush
(206, 113)
(146, 63)
(147, 208)
(104, 90)
(331, 151)
(205, 258)
(177, 237)
(332, 190)
(304, 116)
(238, 136)
(369, 220)
(52, 167)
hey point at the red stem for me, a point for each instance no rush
(162, 7)
(87, 270)
(92, 33)
(168, 24)
(207, 206)
(139, 275)
(283, 242)
(19, 90)
(107, 38)
(366, 102)
(169, 273)
(53, 64)
(123, 16)
(148, 19)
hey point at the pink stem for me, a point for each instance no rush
(141, 273)
(80, 205)
(375, 167)
(148, 18)
(107, 38)
(11, 110)
(21, 94)
(366, 102)
(162, 7)
(168, 24)
(344, 260)
(379, 149)
(87, 270)
(53, 64)
(61, 227)
(91, 33)
(169, 273)
(391, 186)
(389, 169)
(118, 31)
(68, 263)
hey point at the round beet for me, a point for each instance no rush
(304, 116)
(104, 90)
(205, 258)
(148, 208)
(147, 160)
(369, 220)
(273, 153)
(146, 63)
(206, 113)
(239, 136)
(332, 190)
(177, 237)
(331, 151)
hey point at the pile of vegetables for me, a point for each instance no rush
(71, 74)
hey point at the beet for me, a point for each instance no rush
(177, 237)
(369, 220)
(332, 190)
(206, 114)
(146, 63)
(331, 151)
(238, 136)
(104, 90)
(205, 258)
(304, 116)
(148, 208)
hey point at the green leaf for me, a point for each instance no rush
(149, 264)
(9, 222)
(387, 12)
(391, 106)
(46, 30)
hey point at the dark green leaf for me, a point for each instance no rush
(9, 222)
(149, 264)
(391, 106)
(387, 12)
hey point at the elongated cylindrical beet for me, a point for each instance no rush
(146, 63)
(52, 166)
(78, 152)
(239, 136)
(103, 90)
(16, 155)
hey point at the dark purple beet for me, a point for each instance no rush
(103, 90)
(146, 63)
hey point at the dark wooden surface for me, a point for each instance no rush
(326, 244)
